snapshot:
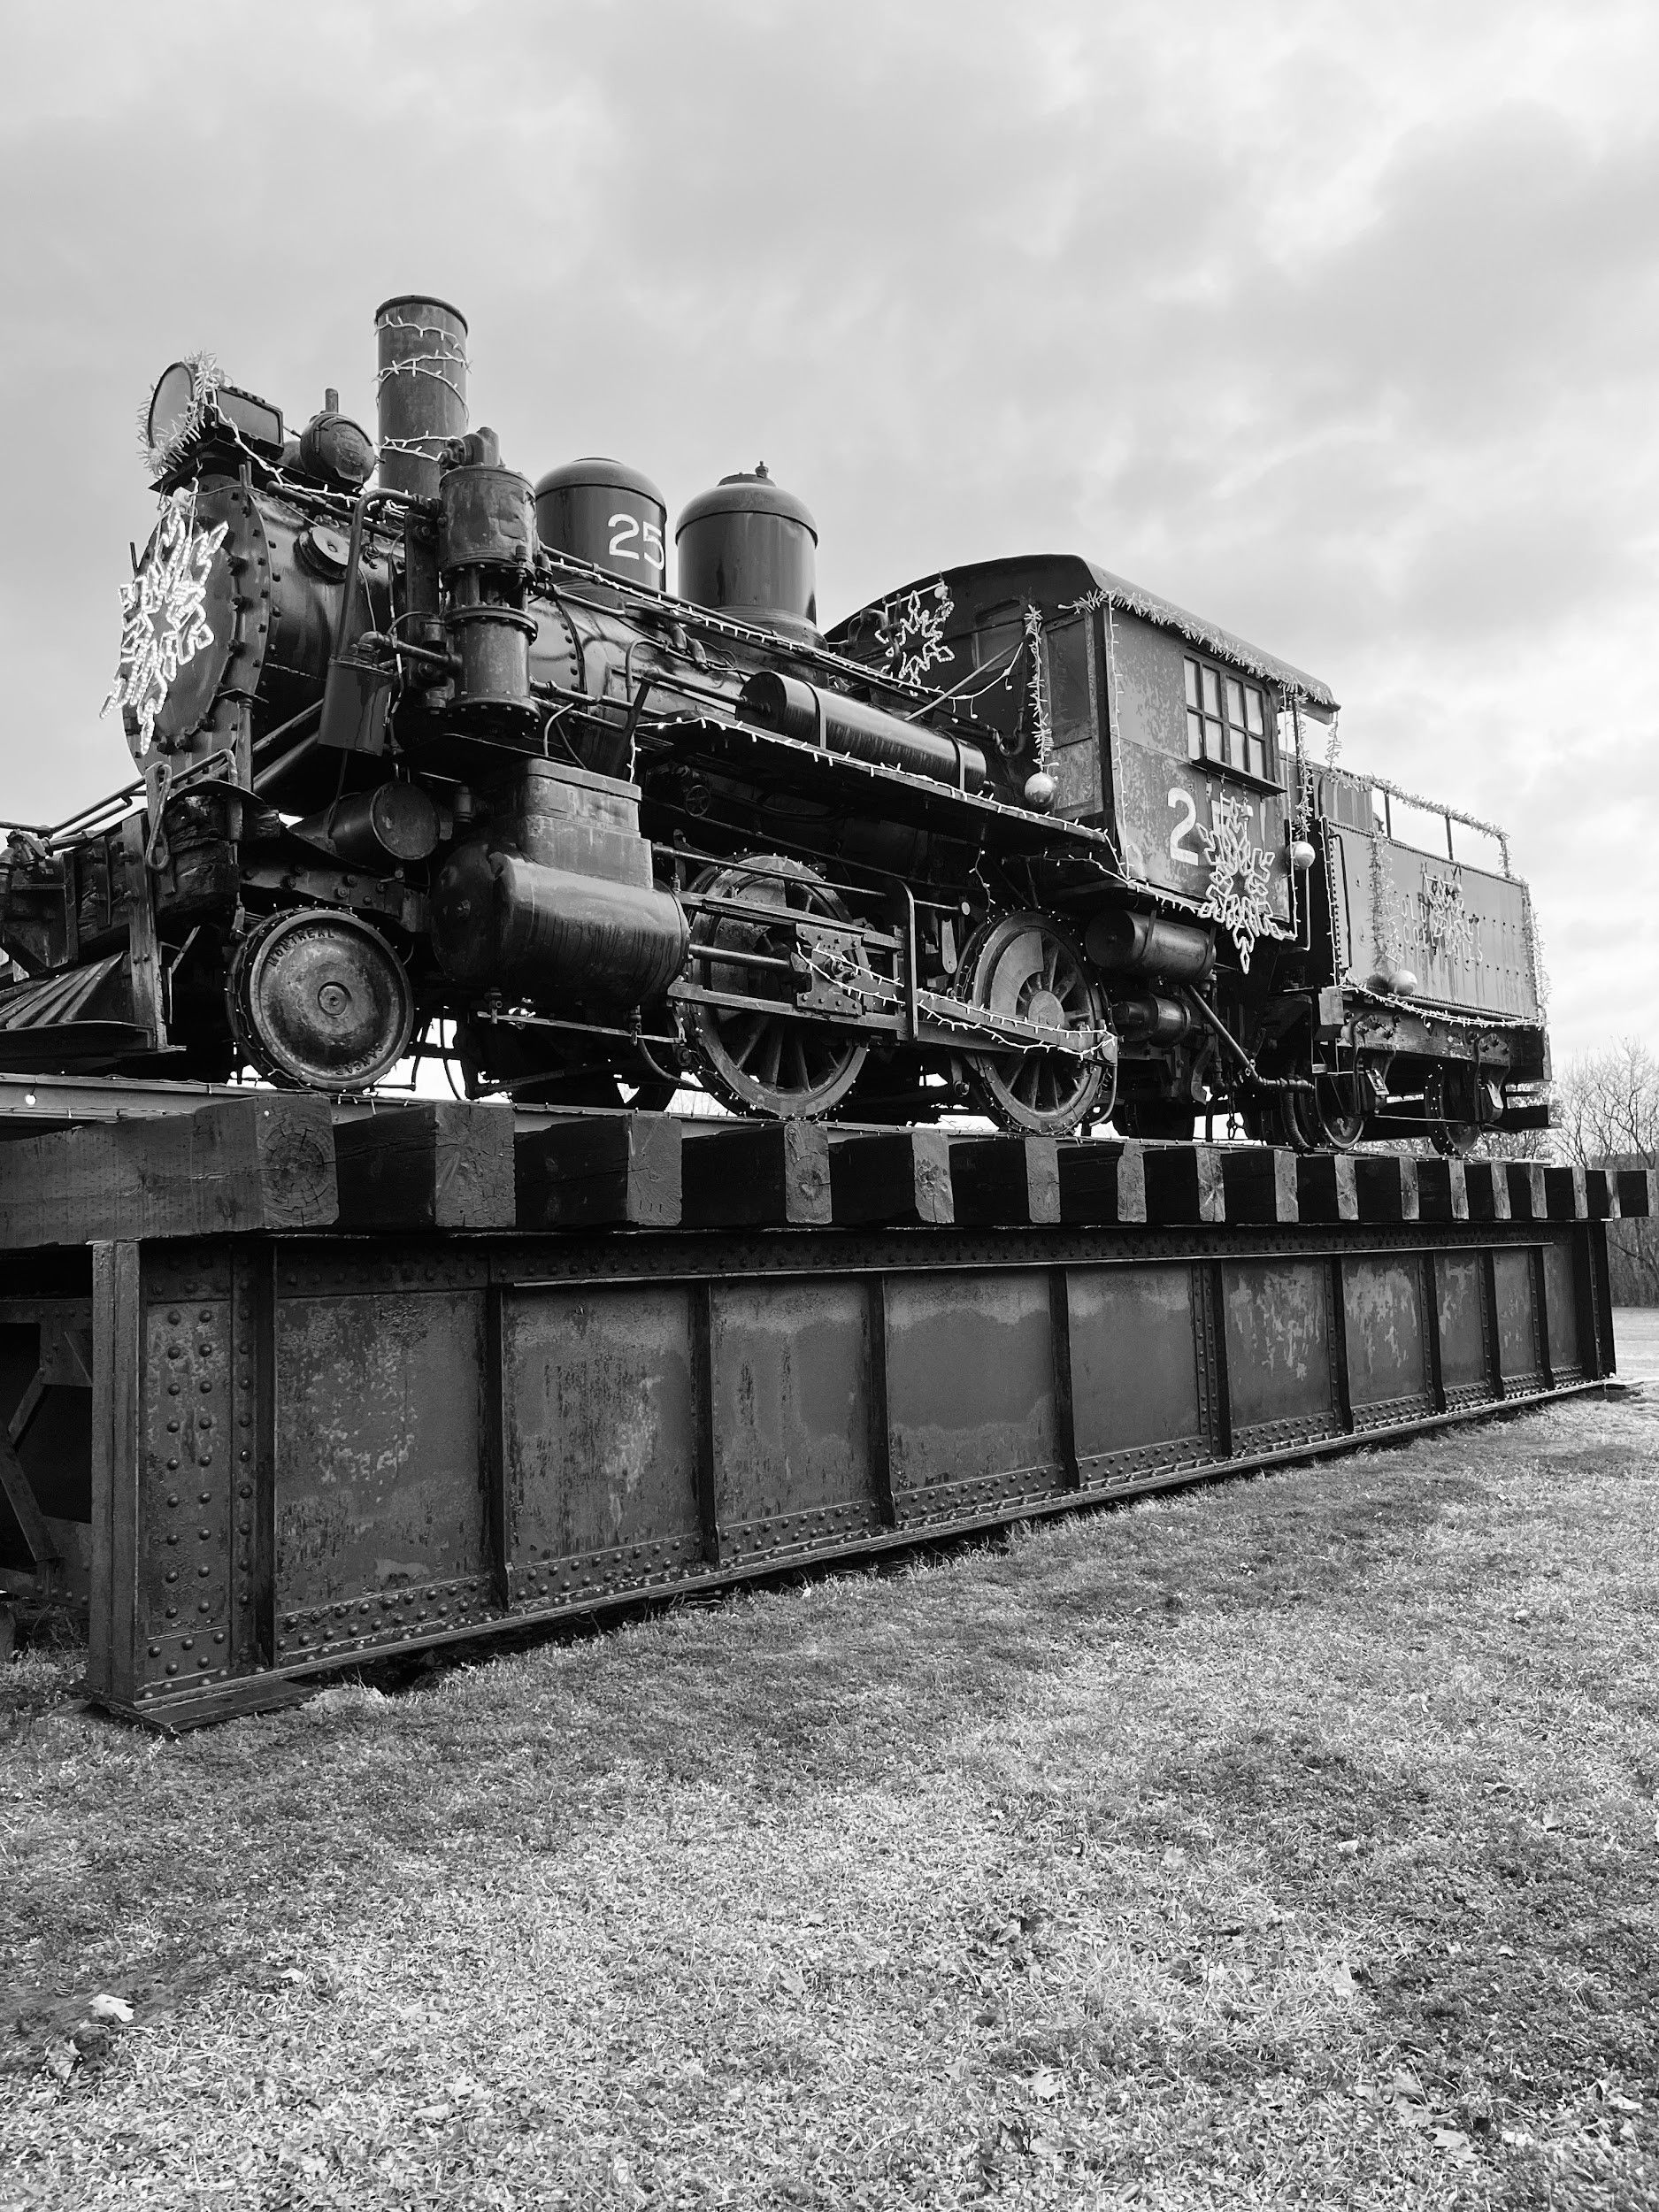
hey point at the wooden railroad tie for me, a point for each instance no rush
(265, 1161)
(440, 1163)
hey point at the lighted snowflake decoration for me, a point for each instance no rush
(1240, 875)
(1448, 927)
(915, 627)
(164, 614)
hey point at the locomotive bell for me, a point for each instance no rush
(749, 548)
(603, 511)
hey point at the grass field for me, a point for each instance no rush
(1290, 1842)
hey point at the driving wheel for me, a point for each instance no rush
(1024, 967)
(756, 1059)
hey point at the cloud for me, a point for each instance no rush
(1333, 323)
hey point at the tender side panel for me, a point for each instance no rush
(1463, 933)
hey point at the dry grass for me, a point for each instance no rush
(1291, 1842)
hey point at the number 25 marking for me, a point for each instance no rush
(624, 529)
(1180, 849)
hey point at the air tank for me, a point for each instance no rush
(795, 708)
(605, 512)
(1148, 944)
(749, 549)
(420, 388)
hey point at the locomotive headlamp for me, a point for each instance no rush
(189, 397)
(173, 406)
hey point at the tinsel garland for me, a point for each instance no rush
(206, 376)
(1041, 731)
(1166, 615)
(1439, 806)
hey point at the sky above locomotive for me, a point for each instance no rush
(1336, 324)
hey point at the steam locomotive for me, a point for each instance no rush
(431, 762)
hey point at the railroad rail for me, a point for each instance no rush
(287, 1387)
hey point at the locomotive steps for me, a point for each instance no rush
(161, 1163)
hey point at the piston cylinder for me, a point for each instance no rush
(1149, 944)
(795, 708)
(420, 390)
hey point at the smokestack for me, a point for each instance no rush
(420, 390)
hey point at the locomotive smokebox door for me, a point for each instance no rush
(749, 548)
(605, 512)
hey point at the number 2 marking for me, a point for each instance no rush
(1180, 849)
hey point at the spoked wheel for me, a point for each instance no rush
(1025, 967)
(320, 1000)
(755, 1060)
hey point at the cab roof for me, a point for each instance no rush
(1098, 587)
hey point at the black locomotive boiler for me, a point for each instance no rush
(430, 760)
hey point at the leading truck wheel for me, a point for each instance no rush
(1026, 968)
(319, 1001)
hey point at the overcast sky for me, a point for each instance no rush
(1336, 324)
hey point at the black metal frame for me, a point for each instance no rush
(244, 1515)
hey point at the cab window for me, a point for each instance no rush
(1226, 720)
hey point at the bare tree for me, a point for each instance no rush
(1607, 1115)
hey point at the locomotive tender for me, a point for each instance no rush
(430, 760)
